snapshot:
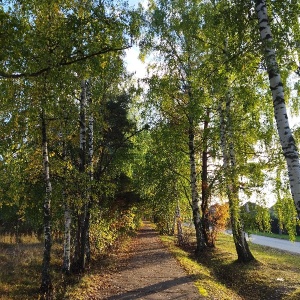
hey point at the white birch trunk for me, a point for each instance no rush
(194, 190)
(46, 285)
(67, 220)
(90, 168)
(67, 238)
(229, 165)
(179, 225)
(83, 130)
(82, 137)
(79, 257)
(287, 141)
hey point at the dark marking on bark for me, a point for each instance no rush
(276, 86)
(272, 73)
(263, 21)
(268, 36)
(278, 100)
(291, 141)
(261, 28)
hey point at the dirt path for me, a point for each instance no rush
(151, 273)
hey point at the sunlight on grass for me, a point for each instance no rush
(274, 272)
(204, 279)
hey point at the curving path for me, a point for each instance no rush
(293, 247)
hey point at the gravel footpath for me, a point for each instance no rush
(150, 273)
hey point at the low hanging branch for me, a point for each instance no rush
(62, 63)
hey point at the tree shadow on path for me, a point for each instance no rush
(152, 289)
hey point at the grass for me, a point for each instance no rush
(207, 284)
(274, 275)
(19, 264)
(20, 271)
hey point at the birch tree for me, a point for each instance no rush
(232, 185)
(287, 141)
(46, 285)
(66, 267)
(169, 36)
(82, 251)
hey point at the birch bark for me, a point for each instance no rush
(67, 238)
(86, 165)
(79, 256)
(90, 135)
(229, 164)
(195, 197)
(46, 285)
(287, 141)
(180, 239)
(67, 220)
(205, 189)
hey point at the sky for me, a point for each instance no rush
(134, 65)
(134, 2)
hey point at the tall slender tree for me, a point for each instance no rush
(232, 184)
(46, 285)
(287, 141)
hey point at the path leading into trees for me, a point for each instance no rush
(151, 273)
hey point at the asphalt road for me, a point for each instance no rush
(293, 247)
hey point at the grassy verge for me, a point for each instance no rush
(274, 275)
(207, 284)
(20, 270)
(19, 266)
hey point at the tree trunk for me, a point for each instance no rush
(180, 239)
(85, 165)
(229, 164)
(85, 238)
(67, 238)
(205, 190)
(287, 141)
(91, 170)
(46, 285)
(79, 256)
(67, 220)
(200, 244)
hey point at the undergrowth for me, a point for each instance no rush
(21, 263)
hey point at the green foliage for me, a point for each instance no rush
(256, 217)
(111, 226)
(287, 215)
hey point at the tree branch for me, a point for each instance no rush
(62, 63)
